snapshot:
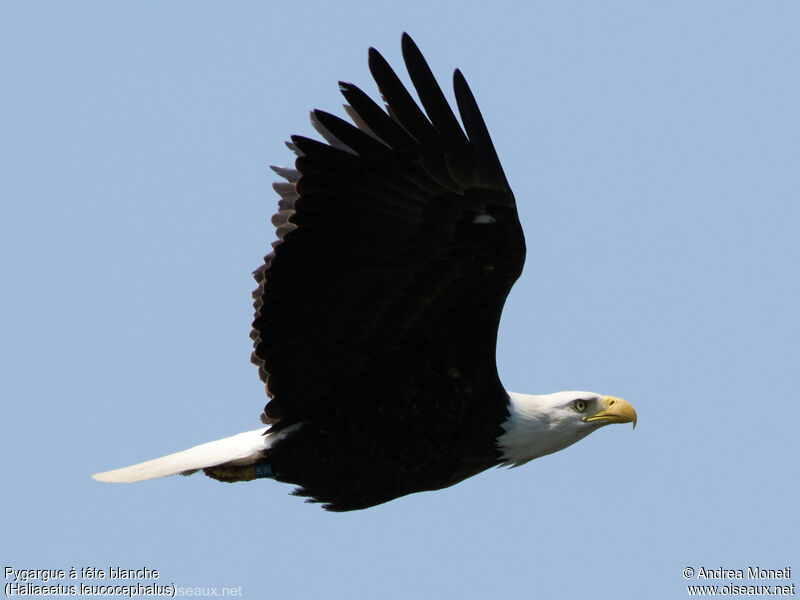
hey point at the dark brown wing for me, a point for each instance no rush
(398, 242)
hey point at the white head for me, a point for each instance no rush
(539, 425)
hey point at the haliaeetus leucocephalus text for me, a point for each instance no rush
(377, 312)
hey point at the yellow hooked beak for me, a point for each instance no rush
(613, 410)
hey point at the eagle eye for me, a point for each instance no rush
(580, 405)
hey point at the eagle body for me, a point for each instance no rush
(389, 451)
(376, 313)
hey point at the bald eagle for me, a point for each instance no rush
(376, 313)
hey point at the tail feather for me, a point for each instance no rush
(238, 450)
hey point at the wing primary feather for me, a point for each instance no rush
(384, 127)
(327, 135)
(409, 116)
(399, 102)
(358, 121)
(439, 111)
(476, 129)
(312, 149)
(352, 137)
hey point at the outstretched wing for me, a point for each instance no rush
(398, 242)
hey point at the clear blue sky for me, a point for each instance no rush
(653, 148)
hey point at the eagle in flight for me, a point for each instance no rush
(376, 313)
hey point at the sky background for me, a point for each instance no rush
(653, 149)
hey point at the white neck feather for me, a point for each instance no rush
(533, 428)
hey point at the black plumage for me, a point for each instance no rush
(377, 311)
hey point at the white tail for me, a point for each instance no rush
(235, 451)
